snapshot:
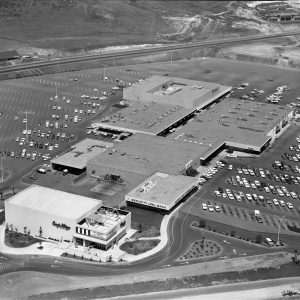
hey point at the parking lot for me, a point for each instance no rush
(253, 193)
(262, 81)
(41, 117)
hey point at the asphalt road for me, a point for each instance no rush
(128, 53)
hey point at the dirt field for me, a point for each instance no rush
(68, 27)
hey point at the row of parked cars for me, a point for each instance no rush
(255, 93)
(282, 166)
(257, 199)
(210, 207)
(263, 186)
(211, 171)
(24, 153)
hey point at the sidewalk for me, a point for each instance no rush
(48, 247)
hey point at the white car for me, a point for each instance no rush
(249, 197)
(217, 193)
(289, 205)
(217, 208)
(275, 201)
(238, 198)
(282, 203)
(204, 206)
(211, 208)
(280, 193)
(293, 194)
(31, 144)
(56, 145)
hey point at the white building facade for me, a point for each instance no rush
(59, 216)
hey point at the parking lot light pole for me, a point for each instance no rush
(279, 227)
(104, 72)
(26, 116)
(2, 168)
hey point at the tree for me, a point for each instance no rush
(41, 231)
(295, 258)
(202, 223)
(259, 239)
(140, 227)
(202, 242)
(25, 229)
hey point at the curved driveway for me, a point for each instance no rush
(181, 235)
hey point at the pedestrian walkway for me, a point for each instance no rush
(49, 248)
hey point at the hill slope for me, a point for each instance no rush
(71, 25)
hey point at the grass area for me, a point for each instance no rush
(147, 223)
(18, 240)
(139, 246)
(290, 270)
(202, 248)
(239, 233)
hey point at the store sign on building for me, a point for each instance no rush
(61, 225)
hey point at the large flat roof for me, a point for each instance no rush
(82, 153)
(162, 188)
(151, 117)
(54, 202)
(175, 91)
(233, 120)
(145, 154)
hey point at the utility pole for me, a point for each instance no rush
(26, 112)
(279, 227)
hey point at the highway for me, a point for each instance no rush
(137, 52)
